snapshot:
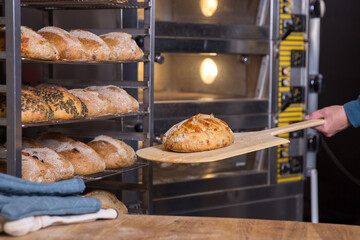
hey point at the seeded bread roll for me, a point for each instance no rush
(63, 169)
(64, 104)
(83, 158)
(33, 45)
(108, 200)
(116, 153)
(96, 103)
(122, 46)
(33, 108)
(118, 97)
(199, 133)
(69, 47)
(95, 47)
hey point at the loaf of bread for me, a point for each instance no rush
(118, 97)
(84, 159)
(33, 108)
(64, 104)
(96, 103)
(63, 169)
(108, 200)
(95, 47)
(29, 143)
(33, 169)
(33, 45)
(199, 133)
(122, 46)
(116, 153)
(68, 46)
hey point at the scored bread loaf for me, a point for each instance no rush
(63, 169)
(32, 169)
(96, 103)
(118, 97)
(108, 200)
(116, 153)
(33, 108)
(64, 104)
(69, 47)
(122, 46)
(199, 133)
(96, 48)
(33, 45)
(84, 159)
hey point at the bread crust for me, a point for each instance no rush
(108, 200)
(118, 97)
(33, 45)
(84, 159)
(33, 108)
(122, 46)
(95, 46)
(115, 152)
(199, 133)
(96, 103)
(64, 104)
(68, 46)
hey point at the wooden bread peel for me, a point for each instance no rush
(244, 143)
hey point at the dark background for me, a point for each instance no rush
(339, 197)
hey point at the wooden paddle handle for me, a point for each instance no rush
(296, 126)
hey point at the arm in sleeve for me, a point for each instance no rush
(352, 110)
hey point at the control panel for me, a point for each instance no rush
(291, 88)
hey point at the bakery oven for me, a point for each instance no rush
(246, 62)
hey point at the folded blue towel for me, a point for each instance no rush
(16, 207)
(10, 185)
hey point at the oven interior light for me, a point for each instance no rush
(208, 7)
(208, 71)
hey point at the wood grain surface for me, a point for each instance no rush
(185, 228)
(243, 143)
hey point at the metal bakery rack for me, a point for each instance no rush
(135, 127)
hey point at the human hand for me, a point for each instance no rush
(335, 120)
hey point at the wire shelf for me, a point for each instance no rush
(112, 172)
(84, 4)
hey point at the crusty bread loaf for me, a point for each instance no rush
(96, 48)
(120, 99)
(116, 153)
(108, 200)
(122, 46)
(63, 169)
(33, 108)
(29, 143)
(96, 103)
(33, 45)
(69, 47)
(84, 159)
(64, 104)
(198, 133)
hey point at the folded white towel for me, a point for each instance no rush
(30, 224)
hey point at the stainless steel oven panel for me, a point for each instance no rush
(227, 11)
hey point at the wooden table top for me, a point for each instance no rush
(173, 227)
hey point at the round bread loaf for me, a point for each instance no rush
(63, 169)
(35, 170)
(122, 46)
(118, 97)
(64, 104)
(95, 47)
(68, 46)
(108, 200)
(96, 103)
(33, 108)
(199, 133)
(84, 159)
(33, 45)
(116, 153)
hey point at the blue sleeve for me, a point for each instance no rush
(352, 110)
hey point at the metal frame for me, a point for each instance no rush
(13, 87)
